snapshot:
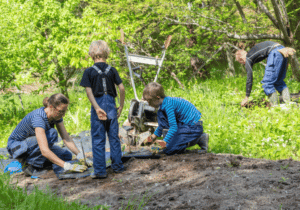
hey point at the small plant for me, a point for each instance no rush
(283, 179)
(138, 202)
(285, 167)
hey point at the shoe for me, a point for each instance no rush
(28, 170)
(96, 176)
(203, 141)
(121, 171)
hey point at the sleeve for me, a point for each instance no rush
(117, 79)
(85, 81)
(59, 121)
(170, 111)
(158, 131)
(249, 65)
(38, 122)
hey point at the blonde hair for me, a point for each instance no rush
(99, 49)
(153, 90)
(239, 54)
(55, 100)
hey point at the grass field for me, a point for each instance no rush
(257, 132)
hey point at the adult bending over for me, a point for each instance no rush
(32, 141)
(275, 70)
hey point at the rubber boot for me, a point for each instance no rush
(273, 97)
(286, 95)
(203, 141)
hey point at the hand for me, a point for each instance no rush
(161, 143)
(150, 139)
(120, 111)
(101, 114)
(68, 167)
(245, 101)
(287, 51)
(80, 157)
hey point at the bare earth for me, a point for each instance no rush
(188, 181)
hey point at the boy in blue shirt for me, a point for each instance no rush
(99, 81)
(180, 117)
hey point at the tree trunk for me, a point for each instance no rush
(295, 66)
(230, 70)
(64, 90)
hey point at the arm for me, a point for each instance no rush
(172, 123)
(249, 66)
(122, 98)
(100, 112)
(249, 81)
(66, 138)
(43, 144)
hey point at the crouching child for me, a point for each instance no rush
(179, 118)
(99, 82)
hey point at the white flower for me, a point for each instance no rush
(263, 144)
(284, 145)
(79, 99)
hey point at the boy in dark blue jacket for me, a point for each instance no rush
(179, 117)
(99, 81)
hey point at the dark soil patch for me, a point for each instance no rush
(260, 103)
(188, 181)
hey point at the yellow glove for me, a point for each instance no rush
(68, 167)
(80, 157)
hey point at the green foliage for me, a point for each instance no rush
(14, 197)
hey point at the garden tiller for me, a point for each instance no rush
(141, 116)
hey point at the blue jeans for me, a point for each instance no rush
(275, 72)
(99, 128)
(30, 152)
(185, 134)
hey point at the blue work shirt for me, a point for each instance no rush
(26, 128)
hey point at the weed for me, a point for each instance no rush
(137, 202)
(283, 179)
(285, 167)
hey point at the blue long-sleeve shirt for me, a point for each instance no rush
(177, 110)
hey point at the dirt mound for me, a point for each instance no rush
(188, 181)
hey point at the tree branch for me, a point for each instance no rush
(240, 11)
(266, 11)
(218, 50)
(284, 12)
(232, 35)
(296, 28)
(216, 20)
(280, 22)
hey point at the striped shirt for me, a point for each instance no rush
(26, 128)
(177, 110)
(256, 54)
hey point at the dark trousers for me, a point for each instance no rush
(28, 151)
(184, 135)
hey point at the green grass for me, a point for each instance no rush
(14, 197)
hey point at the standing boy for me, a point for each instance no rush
(275, 70)
(179, 116)
(99, 81)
